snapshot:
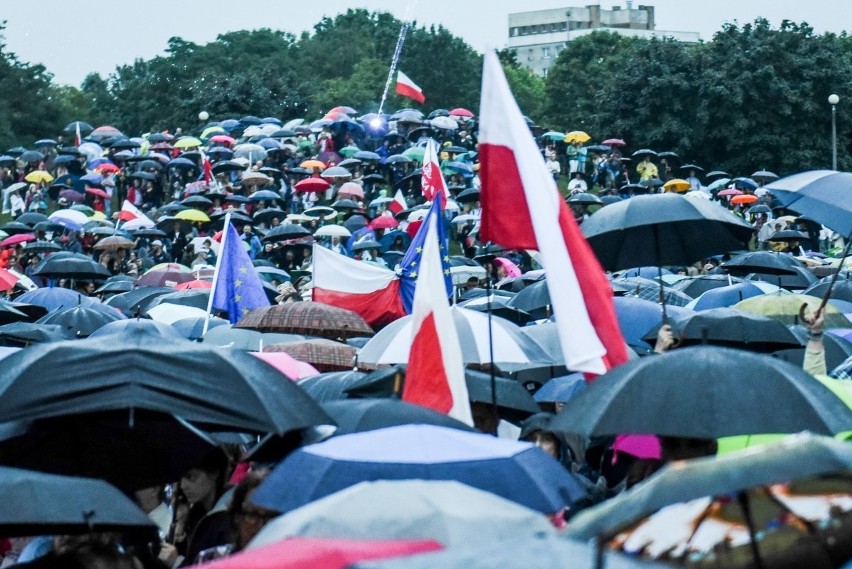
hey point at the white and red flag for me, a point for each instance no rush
(206, 168)
(435, 374)
(432, 180)
(408, 88)
(133, 217)
(78, 138)
(522, 209)
(398, 204)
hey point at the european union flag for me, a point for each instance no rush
(238, 287)
(410, 264)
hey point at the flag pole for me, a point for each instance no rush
(225, 227)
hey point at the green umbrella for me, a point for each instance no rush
(348, 151)
(415, 153)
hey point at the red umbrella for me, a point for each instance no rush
(745, 198)
(107, 168)
(311, 185)
(15, 239)
(320, 553)
(614, 142)
(384, 222)
(461, 113)
(223, 139)
(196, 284)
(351, 189)
(7, 280)
(97, 192)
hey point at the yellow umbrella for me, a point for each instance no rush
(577, 136)
(38, 176)
(677, 185)
(188, 142)
(192, 215)
(210, 131)
(98, 215)
(312, 164)
(786, 308)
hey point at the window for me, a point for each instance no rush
(564, 26)
(530, 54)
(513, 32)
(523, 30)
(542, 28)
(545, 51)
(552, 27)
(544, 71)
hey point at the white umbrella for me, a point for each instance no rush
(450, 512)
(139, 223)
(392, 344)
(463, 273)
(465, 217)
(77, 217)
(168, 313)
(445, 123)
(332, 231)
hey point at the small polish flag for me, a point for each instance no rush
(435, 374)
(206, 167)
(432, 180)
(408, 88)
(78, 138)
(398, 204)
(133, 217)
(522, 209)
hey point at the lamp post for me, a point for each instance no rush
(204, 115)
(833, 100)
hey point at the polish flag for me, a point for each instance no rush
(432, 180)
(206, 167)
(408, 88)
(522, 209)
(130, 212)
(398, 204)
(78, 138)
(435, 374)
(369, 290)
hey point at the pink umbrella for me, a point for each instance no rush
(15, 239)
(351, 189)
(384, 222)
(730, 192)
(287, 364)
(197, 284)
(223, 139)
(511, 268)
(640, 446)
(461, 113)
(97, 192)
(614, 142)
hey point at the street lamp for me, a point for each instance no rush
(204, 115)
(833, 100)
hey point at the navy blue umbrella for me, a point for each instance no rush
(726, 296)
(55, 298)
(517, 471)
(561, 389)
(636, 316)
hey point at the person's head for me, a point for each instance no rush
(156, 245)
(247, 519)
(484, 418)
(247, 229)
(203, 483)
(546, 441)
(267, 248)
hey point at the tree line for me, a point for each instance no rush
(752, 97)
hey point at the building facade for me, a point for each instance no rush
(538, 37)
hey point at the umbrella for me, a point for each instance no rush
(192, 328)
(529, 476)
(764, 175)
(725, 296)
(704, 392)
(196, 298)
(187, 142)
(445, 510)
(744, 199)
(333, 231)
(561, 389)
(83, 127)
(39, 177)
(164, 277)
(133, 300)
(246, 340)
(614, 142)
(718, 483)
(821, 195)
(114, 243)
(325, 355)
(81, 321)
(31, 156)
(330, 386)
(72, 268)
(837, 349)
(842, 290)
(36, 503)
(168, 312)
(55, 298)
(129, 325)
(762, 262)
(194, 382)
(311, 185)
(584, 198)
(730, 327)
(288, 366)
(192, 215)
(309, 318)
(17, 239)
(360, 415)
(344, 204)
(677, 185)
(498, 306)
(300, 553)
(786, 308)
(27, 333)
(351, 189)
(392, 344)
(578, 136)
(647, 289)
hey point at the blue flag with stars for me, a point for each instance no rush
(238, 287)
(410, 264)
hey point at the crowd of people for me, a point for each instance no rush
(353, 185)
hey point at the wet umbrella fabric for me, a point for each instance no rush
(81, 321)
(822, 195)
(529, 476)
(444, 510)
(35, 503)
(330, 386)
(55, 298)
(144, 372)
(762, 262)
(360, 415)
(72, 268)
(725, 296)
(705, 392)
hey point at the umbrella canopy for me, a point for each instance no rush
(36, 503)
(704, 392)
(193, 328)
(822, 195)
(703, 485)
(27, 333)
(330, 386)
(325, 355)
(725, 296)
(842, 290)
(165, 276)
(81, 321)
(132, 301)
(55, 298)
(72, 268)
(309, 318)
(285, 363)
(300, 553)
(393, 343)
(537, 553)
(664, 229)
(128, 325)
(528, 475)
(696, 286)
(647, 289)
(144, 372)
(360, 415)
(452, 513)
(786, 308)
(764, 262)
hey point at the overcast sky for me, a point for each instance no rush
(74, 38)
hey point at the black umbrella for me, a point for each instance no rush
(131, 449)
(664, 229)
(143, 176)
(584, 198)
(705, 392)
(83, 127)
(821, 195)
(788, 235)
(359, 415)
(729, 327)
(35, 503)
(81, 321)
(26, 333)
(285, 232)
(150, 233)
(764, 175)
(330, 386)
(800, 280)
(197, 201)
(498, 306)
(16, 228)
(133, 300)
(696, 286)
(694, 167)
(647, 289)
(837, 349)
(268, 215)
(115, 287)
(31, 218)
(197, 298)
(42, 247)
(759, 208)
(366, 244)
(644, 152)
(469, 195)
(355, 222)
(205, 386)
(764, 262)
(72, 268)
(534, 299)
(31, 156)
(842, 290)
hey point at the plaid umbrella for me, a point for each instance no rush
(324, 355)
(308, 318)
(650, 290)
